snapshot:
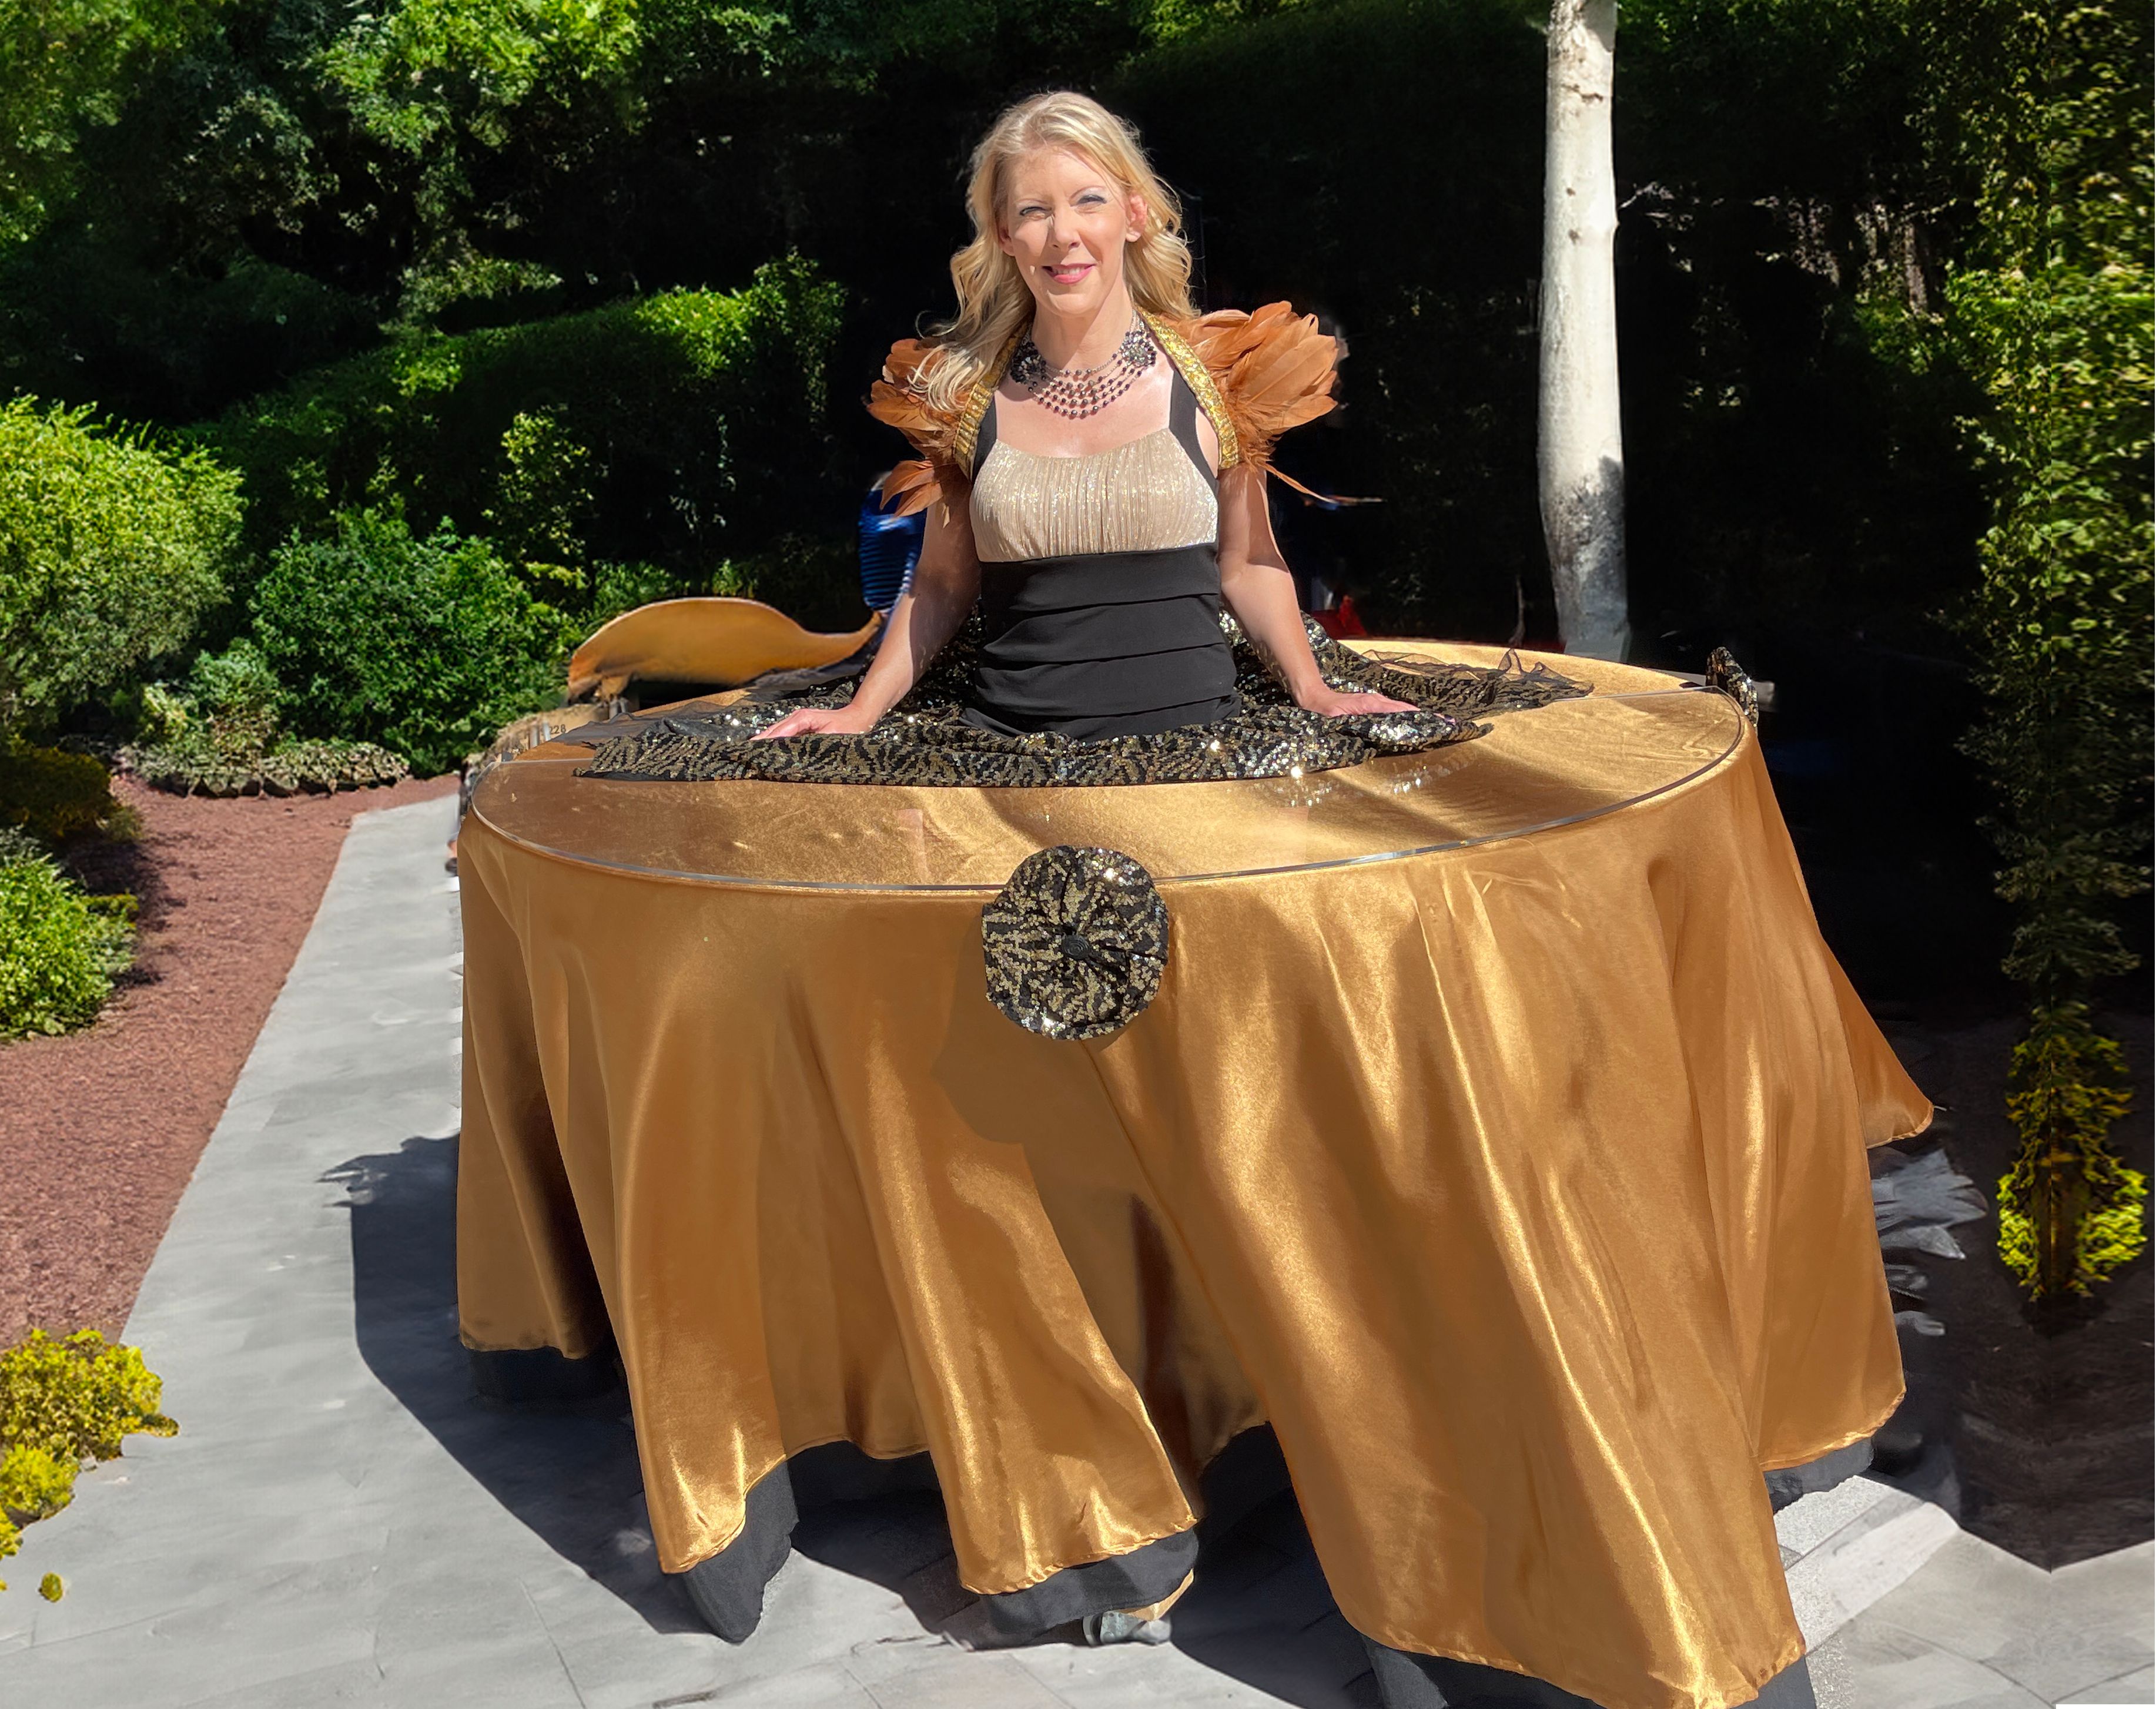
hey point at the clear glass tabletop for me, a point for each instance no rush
(1638, 735)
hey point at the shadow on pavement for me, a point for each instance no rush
(567, 1469)
(1260, 1611)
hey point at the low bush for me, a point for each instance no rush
(426, 646)
(205, 762)
(222, 734)
(63, 1405)
(59, 948)
(111, 548)
(53, 794)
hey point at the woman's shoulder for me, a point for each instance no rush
(1257, 374)
(940, 422)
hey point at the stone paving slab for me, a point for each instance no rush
(1977, 1628)
(343, 1520)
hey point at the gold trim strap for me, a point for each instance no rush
(967, 426)
(1191, 367)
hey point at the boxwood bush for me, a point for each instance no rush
(426, 646)
(53, 794)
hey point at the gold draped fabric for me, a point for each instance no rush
(1496, 1134)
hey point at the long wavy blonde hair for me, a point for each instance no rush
(994, 302)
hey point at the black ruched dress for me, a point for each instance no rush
(1100, 586)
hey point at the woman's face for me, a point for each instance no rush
(1065, 223)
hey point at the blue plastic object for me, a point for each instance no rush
(890, 544)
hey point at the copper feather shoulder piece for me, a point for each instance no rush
(944, 439)
(1269, 371)
(901, 400)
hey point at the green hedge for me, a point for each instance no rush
(677, 430)
(52, 793)
(111, 549)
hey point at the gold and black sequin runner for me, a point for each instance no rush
(924, 740)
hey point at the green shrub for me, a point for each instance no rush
(426, 646)
(51, 793)
(65, 1404)
(110, 549)
(674, 429)
(59, 948)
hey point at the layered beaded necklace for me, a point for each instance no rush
(1076, 393)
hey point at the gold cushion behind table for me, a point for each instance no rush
(1496, 1134)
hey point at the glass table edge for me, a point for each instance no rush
(667, 875)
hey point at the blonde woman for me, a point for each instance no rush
(1094, 457)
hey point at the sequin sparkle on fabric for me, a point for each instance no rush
(1076, 942)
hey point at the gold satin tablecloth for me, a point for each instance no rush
(1498, 1135)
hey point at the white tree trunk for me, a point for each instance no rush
(1581, 449)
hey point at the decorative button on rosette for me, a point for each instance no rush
(1076, 942)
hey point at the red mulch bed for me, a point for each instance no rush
(100, 1130)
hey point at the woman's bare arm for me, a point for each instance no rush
(946, 581)
(1255, 582)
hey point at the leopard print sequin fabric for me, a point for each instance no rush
(924, 741)
(1076, 942)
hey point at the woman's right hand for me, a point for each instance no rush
(818, 721)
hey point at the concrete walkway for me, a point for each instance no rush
(339, 1520)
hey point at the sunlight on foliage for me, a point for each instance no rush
(59, 948)
(2070, 1212)
(2055, 320)
(110, 549)
(65, 1405)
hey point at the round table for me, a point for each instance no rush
(1496, 1134)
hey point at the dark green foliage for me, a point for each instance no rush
(59, 949)
(426, 646)
(676, 429)
(1780, 467)
(111, 549)
(63, 65)
(1413, 223)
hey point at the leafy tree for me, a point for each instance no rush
(65, 65)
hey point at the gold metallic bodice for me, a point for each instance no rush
(1146, 495)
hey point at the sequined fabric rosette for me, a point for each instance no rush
(1076, 942)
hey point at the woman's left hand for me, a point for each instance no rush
(1333, 704)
